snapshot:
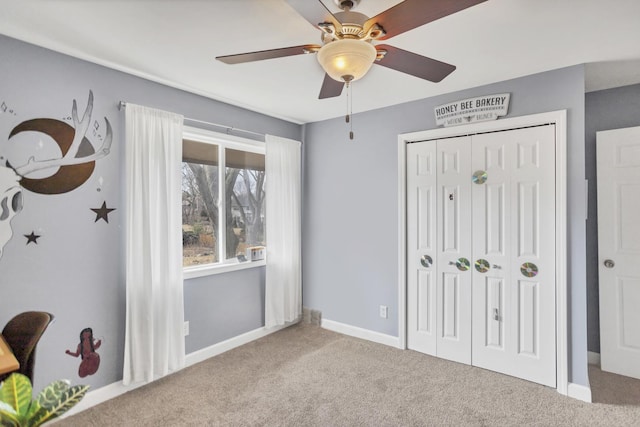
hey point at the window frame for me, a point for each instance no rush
(223, 141)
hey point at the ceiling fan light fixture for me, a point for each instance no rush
(347, 60)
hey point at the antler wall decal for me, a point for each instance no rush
(11, 198)
(81, 127)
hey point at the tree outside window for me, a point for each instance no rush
(234, 206)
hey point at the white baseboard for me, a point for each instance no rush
(231, 343)
(100, 395)
(364, 334)
(593, 358)
(580, 392)
(110, 391)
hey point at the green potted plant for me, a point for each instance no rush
(19, 409)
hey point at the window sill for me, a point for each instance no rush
(210, 270)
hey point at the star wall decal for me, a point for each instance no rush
(33, 237)
(103, 212)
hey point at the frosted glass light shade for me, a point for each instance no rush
(347, 59)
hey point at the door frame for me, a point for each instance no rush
(559, 119)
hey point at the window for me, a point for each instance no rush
(223, 198)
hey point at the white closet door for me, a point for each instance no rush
(421, 246)
(619, 249)
(491, 248)
(454, 249)
(514, 253)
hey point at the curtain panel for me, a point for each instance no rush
(283, 289)
(154, 340)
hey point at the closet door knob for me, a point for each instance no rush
(426, 261)
(461, 264)
(482, 265)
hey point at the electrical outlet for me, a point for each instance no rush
(384, 311)
(186, 328)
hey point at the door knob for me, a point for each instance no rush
(496, 315)
(426, 261)
(482, 265)
(461, 264)
(609, 263)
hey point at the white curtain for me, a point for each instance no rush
(283, 293)
(154, 340)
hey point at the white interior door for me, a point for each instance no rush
(454, 249)
(514, 253)
(421, 247)
(618, 162)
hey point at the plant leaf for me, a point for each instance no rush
(5, 407)
(4, 422)
(49, 395)
(54, 406)
(8, 415)
(35, 407)
(16, 391)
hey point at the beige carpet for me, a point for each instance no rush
(613, 389)
(307, 376)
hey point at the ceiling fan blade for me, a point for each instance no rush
(315, 12)
(410, 14)
(414, 64)
(268, 54)
(330, 88)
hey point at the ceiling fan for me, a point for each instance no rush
(346, 53)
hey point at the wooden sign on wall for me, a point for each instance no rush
(471, 110)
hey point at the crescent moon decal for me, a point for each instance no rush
(68, 177)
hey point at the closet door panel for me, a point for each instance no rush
(454, 249)
(421, 246)
(514, 239)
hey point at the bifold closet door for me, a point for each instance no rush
(421, 246)
(438, 248)
(514, 329)
(481, 251)
(454, 249)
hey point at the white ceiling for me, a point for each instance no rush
(175, 43)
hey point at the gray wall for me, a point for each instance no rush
(76, 269)
(350, 245)
(237, 306)
(604, 110)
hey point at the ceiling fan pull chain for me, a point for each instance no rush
(350, 109)
(346, 117)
